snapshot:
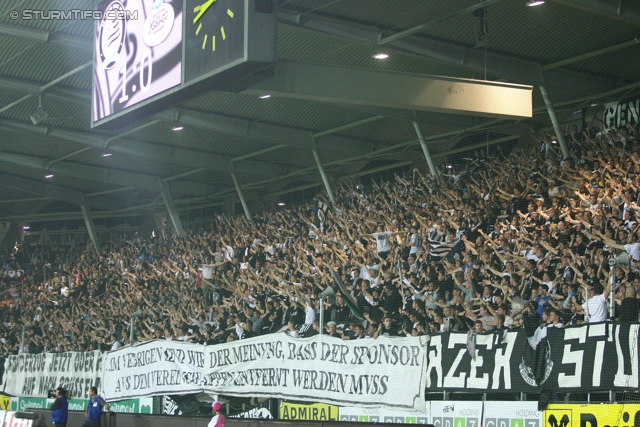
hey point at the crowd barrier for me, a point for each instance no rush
(392, 373)
(440, 414)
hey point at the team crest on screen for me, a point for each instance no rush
(112, 34)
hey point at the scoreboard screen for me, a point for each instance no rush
(150, 55)
(137, 54)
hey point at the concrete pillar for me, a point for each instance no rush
(241, 196)
(323, 174)
(554, 121)
(171, 209)
(425, 150)
(88, 222)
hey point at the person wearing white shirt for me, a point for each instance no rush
(291, 330)
(382, 240)
(595, 308)
(309, 314)
(415, 242)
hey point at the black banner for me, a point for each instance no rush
(602, 356)
(620, 113)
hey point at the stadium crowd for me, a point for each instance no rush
(504, 241)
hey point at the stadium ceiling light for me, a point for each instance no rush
(26, 227)
(106, 154)
(265, 96)
(281, 204)
(535, 2)
(176, 127)
(381, 55)
(50, 175)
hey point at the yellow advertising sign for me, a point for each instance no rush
(619, 415)
(5, 402)
(308, 412)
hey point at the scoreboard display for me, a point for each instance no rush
(152, 54)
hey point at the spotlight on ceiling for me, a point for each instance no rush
(39, 115)
(106, 154)
(381, 55)
(50, 175)
(26, 227)
(281, 204)
(535, 2)
(265, 96)
(176, 127)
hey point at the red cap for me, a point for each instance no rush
(217, 406)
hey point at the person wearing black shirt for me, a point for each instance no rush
(340, 311)
(60, 408)
(387, 328)
(444, 284)
(391, 301)
(629, 306)
(332, 330)
(296, 313)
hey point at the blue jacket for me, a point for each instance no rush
(60, 410)
(95, 408)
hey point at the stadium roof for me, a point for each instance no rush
(583, 51)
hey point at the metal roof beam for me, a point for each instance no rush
(437, 21)
(43, 36)
(60, 92)
(338, 84)
(112, 176)
(55, 192)
(224, 124)
(628, 11)
(398, 164)
(498, 65)
(144, 149)
(276, 134)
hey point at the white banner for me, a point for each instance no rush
(153, 368)
(320, 368)
(32, 375)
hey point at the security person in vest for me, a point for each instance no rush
(94, 408)
(60, 408)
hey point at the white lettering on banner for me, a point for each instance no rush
(154, 367)
(620, 113)
(319, 368)
(33, 375)
(572, 358)
(621, 379)
(598, 330)
(499, 358)
(434, 360)
(450, 380)
(483, 380)
(502, 363)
